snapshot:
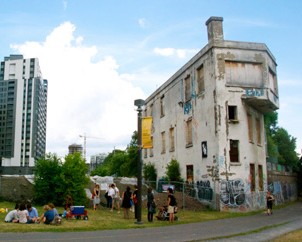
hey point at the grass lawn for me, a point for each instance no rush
(103, 219)
(290, 237)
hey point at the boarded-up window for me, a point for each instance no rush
(234, 150)
(171, 136)
(258, 130)
(243, 74)
(273, 81)
(260, 177)
(190, 173)
(189, 130)
(200, 79)
(151, 149)
(188, 88)
(250, 127)
(163, 142)
(162, 106)
(252, 177)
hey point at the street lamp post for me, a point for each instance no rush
(139, 103)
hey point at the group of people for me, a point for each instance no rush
(112, 196)
(129, 199)
(26, 214)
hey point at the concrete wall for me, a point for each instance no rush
(16, 188)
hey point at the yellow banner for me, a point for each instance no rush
(146, 132)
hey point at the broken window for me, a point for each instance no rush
(234, 150)
(260, 177)
(232, 112)
(252, 177)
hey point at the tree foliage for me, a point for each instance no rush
(173, 170)
(120, 163)
(54, 180)
(149, 172)
(280, 145)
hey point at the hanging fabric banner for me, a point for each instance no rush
(146, 132)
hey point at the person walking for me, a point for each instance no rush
(126, 202)
(269, 202)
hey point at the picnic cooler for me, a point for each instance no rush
(77, 209)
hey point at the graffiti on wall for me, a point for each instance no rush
(283, 192)
(204, 190)
(232, 192)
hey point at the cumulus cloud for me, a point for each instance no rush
(171, 52)
(85, 96)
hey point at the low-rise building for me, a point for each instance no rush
(209, 117)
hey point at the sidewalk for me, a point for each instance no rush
(268, 227)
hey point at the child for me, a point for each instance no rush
(12, 216)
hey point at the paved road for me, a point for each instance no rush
(282, 221)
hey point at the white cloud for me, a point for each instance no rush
(171, 52)
(84, 96)
(142, 22)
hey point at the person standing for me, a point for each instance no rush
(116, 199)
(269, 202)
(171, 204)
(111, 194)
(126, 202)
(150, 204)
(96, 196)
(135, 197)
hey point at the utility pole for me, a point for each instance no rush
(139, 103)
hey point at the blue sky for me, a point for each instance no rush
(99, 56)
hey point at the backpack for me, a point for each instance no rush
(173, 201)
(106, 195)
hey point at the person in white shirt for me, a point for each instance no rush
(116, 199)
(12, 216)
(111, 195)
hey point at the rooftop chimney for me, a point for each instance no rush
(215, 30)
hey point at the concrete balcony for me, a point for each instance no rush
(262, 99)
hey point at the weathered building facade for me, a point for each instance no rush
(209, 117)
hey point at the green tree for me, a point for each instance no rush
(173, 170)
(54, 180)
(286, 148)
(47, 179)
(74, 178)
(149, 172)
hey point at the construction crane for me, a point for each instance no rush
(84, 136)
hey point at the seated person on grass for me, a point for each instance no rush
(33, 214)
(48, 216)
(12, 216)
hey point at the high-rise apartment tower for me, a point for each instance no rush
(23, 106)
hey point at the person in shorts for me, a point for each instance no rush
(171, 202)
